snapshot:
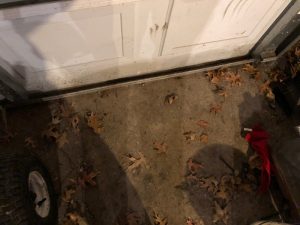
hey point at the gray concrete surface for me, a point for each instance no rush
(133, 118)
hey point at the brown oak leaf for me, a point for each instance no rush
(51, 133)
(77, 219)
(75, 123)
(203, 138)
(158, 220)
(221, 214)
(193, 166)
(209, 183)
(265, 87)
(202, 123)
(249, 69)
(62, 140)
(190, 135)
(169, 99)
(160, 147)
(94, 122)
(215, 108)
(234, 78)
(136, 162)
(29, 142)
(68, 194)
(189, 221)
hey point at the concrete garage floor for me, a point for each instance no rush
(135, 121)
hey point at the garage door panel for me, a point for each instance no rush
(211, 21)
(66, 39)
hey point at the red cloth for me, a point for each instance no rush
(258, 140)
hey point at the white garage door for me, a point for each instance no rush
(74, 43)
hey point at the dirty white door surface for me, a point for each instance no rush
(75, 43)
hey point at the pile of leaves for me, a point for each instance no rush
(222, 75)
(264, 86)
(222, 79)
(85, 178)
(62, 117)
(221, 190)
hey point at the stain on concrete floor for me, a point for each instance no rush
(133, 119)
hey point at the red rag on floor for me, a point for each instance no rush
(258, 140)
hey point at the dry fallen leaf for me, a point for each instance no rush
(159, 220)
(51, 133)
(190, 136)
(169, 99)
(94, 122)
(222, 194)
(210, 183)
(234, 78)
(202, 123)
(221, 214)
(215, 80)
(210, 74)
(257, 76)
(249, 69)
(193, 166)
(254, 73)
(68, 194)
(223, 93)
(189, 221)
(215, 108)
(55, 119)
(77, 219)
(160, 147)
(265, 87)
(215, 76)
(87, 178)
(62, 140)
(55, 115)
(29, 142)
(136, 162)
(225, 188)
(204, 138)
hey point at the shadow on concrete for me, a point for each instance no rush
(243, 207)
